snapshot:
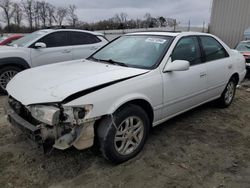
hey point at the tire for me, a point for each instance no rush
(228, 94)
(6, 74)
(132, 131)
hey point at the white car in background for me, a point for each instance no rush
(115, 96)
(46, 47)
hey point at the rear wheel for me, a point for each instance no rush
(228, 94)
(6, 74)
(124, 136)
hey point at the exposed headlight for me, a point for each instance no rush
(77, 114)
(46, 114)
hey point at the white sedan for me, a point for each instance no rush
(115, 96)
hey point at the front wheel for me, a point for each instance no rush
(228, 94)
(6, 74)
(123, 136)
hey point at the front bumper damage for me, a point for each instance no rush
(59, 136)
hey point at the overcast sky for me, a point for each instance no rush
(183, 10)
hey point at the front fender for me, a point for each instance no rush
(147, 87)
(125, 99)
(16, 61)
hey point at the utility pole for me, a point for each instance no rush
(189, 23)
(203, 29)
(175, 24)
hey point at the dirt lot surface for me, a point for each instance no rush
(207, 147)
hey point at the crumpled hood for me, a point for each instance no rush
(54, 83)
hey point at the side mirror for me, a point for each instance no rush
(177, 65)
(40, 45)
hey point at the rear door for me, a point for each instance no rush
(219, 65)
(84, 44)
(185, 89)
(57, 49)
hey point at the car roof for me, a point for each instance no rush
(163, 33)
(46, 31)
(169, 33)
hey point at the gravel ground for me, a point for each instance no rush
(206, 147)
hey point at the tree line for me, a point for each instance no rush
(35, 14)
(30, 15)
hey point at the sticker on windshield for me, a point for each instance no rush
(156, 40)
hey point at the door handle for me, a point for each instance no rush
(66, 51)
(203, 74)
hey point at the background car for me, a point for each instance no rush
(5, 40)
(244, 48)
(46, 47)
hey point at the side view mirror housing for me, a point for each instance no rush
(177, 65)
(40, 45)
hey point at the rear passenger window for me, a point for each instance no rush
(212, 48)
(187, 49)
(80, 38)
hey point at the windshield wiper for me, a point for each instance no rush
(110, 61)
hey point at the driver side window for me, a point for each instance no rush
(187, 49)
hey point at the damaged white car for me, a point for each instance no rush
(116, 95)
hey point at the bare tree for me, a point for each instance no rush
(51, 13)
(37, 10)
(28, 6)
(116, 18)
(72, 17)
(42, 12)
(123, 17)
(8, 11)
(148, 19)
(147, 16)
(18, 14)
(162, 21)
(60, 15)
(171, 22)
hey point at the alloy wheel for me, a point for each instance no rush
(129, 135)
(6, 76)
(230, 92)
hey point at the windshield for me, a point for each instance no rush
(27, 39)
(243, 47)
(134, 51)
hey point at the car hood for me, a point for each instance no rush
(5, 49)
(54, 83)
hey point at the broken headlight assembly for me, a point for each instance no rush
(76, 115)
(52, 115)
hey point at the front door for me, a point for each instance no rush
(185, 89)
(57, 49)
